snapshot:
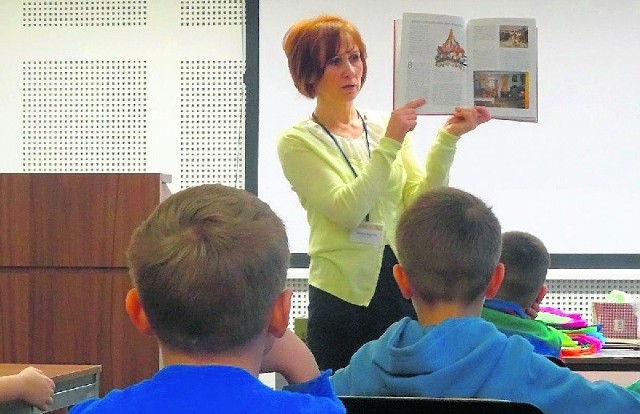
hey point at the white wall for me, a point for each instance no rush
(571, 179)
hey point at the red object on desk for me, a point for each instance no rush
(618, 320)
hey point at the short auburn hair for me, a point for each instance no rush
(309, 44)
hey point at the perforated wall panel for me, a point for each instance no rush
(567, 295)
(212, 96)
(85, 91)
(212, 12)
(84, 13)
(300, 298)
(84, 116)
(578, 295)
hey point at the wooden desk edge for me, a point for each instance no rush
(57, 372)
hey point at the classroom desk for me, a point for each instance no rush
(74, 383)
(620, 366)
(606, 360)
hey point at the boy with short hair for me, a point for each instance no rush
(526, 261)
(209, 267)
(448, 244)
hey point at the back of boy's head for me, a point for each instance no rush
(526, 261)
(448, 243)
(208, 264)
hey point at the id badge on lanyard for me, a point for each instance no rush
(368, 233)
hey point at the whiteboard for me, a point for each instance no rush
(572, 179)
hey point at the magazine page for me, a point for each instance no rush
(397, 28)
(504, 53)
(431, 63)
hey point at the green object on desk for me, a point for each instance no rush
(617, 296)
(300, 327)
(552, 319)
(635, 387)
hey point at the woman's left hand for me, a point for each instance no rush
(466, 119)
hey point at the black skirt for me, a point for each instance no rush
(336, 328)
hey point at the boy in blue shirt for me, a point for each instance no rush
(526, 261)
(209, 267)
(448, 244)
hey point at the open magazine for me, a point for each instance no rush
(490, 62)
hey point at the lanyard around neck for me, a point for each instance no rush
(335, 141)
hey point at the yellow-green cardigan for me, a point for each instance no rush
(337, 202)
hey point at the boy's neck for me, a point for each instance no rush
(246, 359)
(435, 313)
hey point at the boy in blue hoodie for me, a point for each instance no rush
(208, 268)
(526, 261)
(448, 244)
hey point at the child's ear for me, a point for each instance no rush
(136, 313)
(280, 314)
(496, 280)
(542, 292)
(403, 281)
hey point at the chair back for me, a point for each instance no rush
(411, 405)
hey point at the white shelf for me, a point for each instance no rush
(593, 274)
